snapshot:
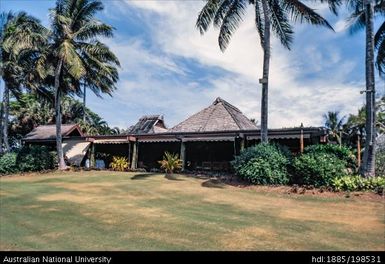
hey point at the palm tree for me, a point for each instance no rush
(18, 33)
(335, 125)
(363, 16)
(77, 55)
(270, 15)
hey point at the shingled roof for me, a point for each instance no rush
(220, 116)
(48, 132)
(148, 124)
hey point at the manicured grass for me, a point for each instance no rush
(126, 211)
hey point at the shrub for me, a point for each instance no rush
(341, 152)
(263, 164)
(380, 162)
(358, 183)
(318, 169)
(119, 163)
(170, 162)
(8, 163)
(35, 158)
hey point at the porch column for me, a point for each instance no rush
(134, 163)
(183, 154)
(243, 143)
(92, 158)
(301, 143)
(358, 151)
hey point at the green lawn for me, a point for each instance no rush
(126, 211)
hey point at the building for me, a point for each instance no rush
(207, 140)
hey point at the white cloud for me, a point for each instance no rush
(304, 83)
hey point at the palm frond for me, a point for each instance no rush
(221, 12)
(259, 20)
(280, 23)
(231, 22)
(206, 15)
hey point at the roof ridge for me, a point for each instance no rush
(224, 102)
(209, 118)
(232, 115)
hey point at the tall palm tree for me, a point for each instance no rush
(18, 32)
(335, 124)
(363, 17)
(77, 55)
(270, 15)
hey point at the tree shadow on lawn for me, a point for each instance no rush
(143, 176)
(172, 177)
(213, 183)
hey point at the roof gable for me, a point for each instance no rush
(48, 132)
(219, 116)
(148, 124)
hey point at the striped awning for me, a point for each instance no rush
(111, 141)
(207, 139)
(288, 136)
(75, 150)
(154, 140)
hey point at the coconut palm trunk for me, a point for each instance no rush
(84, 104)
(5, 117)
(368, 168)
(1, 127)
(265, 75)
(59, 147)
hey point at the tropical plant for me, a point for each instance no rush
(358, 183)
(263, 164)
(75, 57)
(119, 163)
(270, 15)
(170, 162)
(35, 158)
(341, 152)
(19, 33)
(335, 124)
(318, 169)
(8, 163)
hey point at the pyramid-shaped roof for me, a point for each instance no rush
(220, 116)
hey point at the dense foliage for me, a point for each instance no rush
(263, 164)
(30, 111)
(170, 162)
(318, 168)
(8, 163)
(33, 158)
(380, 160)
(358, 183)
(341, 152)
(119, 163)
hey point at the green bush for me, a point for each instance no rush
(318, 169)
(380, 162)
(8, 163)
(35, 158)
(358, 183)
(263, 164)
(341, 152)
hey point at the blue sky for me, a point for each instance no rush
(169, 68)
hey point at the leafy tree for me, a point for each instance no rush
(19, 33)
(270, 15)
(75, 57)
(30, 111)
(334, 123)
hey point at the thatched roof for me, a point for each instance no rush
(48, 132)
(220, 116)
(148, 124)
